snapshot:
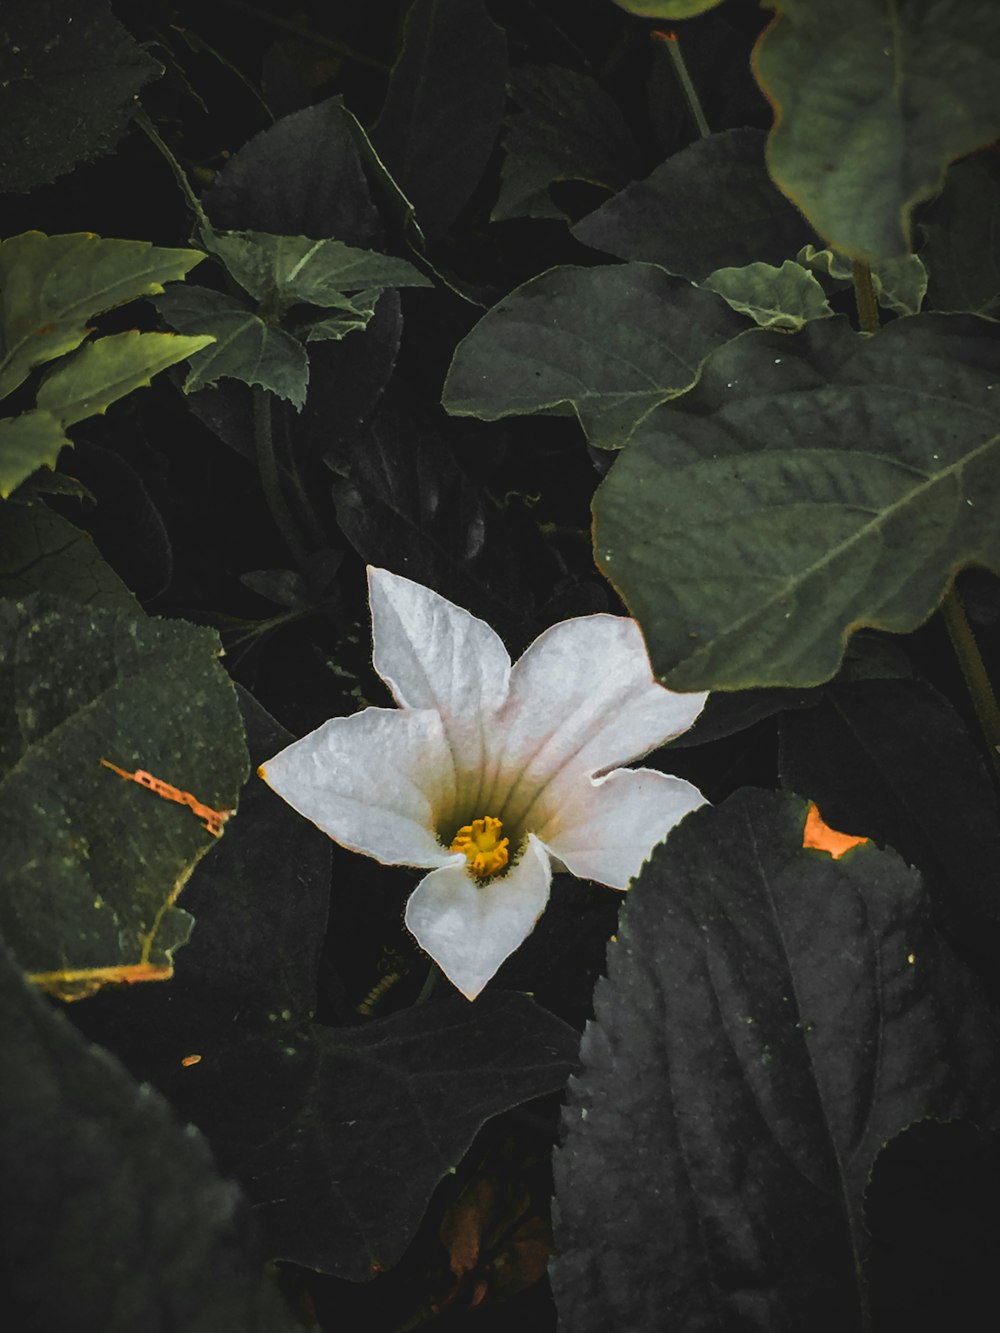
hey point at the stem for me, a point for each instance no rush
(977, 680)
(434, 975)
(672, 42)
(864, 297)
(270, 478)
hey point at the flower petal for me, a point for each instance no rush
(582, 701)
(610, 827)
(470, 928)
(371, 781)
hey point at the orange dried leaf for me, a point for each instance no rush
(825, 839)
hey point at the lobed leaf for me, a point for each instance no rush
(28, 442)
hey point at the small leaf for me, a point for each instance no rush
(710, 206)
(28, 442)
(51, 286)
(770, 1017)
(52, 65)
(900, 284)
(872, 101)
(808, 486)
(285, 270)
(784, 297)
(667, 9)
(104, 371)
(442, 108)
(42, 552)
(568, 130)
(92, 863)
(245, 347)
(351, 319)
(608, 344)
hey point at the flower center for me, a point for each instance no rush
(485, 850)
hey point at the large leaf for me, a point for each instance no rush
(50, 286)
(92, 863)
(113, 1214)
(442, 109)
(28, 442)
(568, 130)
(872, 101)
(710, 206)
(960, 249)
(104, 371)
(68, 86)
(42, 552)
(770, 1017)
(245, 347)
(280, 271)
(809, 485)
(608, 344)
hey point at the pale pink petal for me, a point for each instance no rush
(582, 701)
(609, 827)
(470, 928)
(373, 782)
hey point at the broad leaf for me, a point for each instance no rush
(42, 552)
(442, 108)
(872, 101)
(92, 862)
(51, 68)
(770, 1017)
(710, 206)
(50, 286)
(569, 129)
(104, 371)
(28, 442)
(808, 486)
(960, 229)
(900, 285)
(244, 346)
(608, 344)
(113, 1212)
(785, 297)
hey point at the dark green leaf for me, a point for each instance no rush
(68, 85)
(92, 863)
(52, 285)
(770, 1017)
(872, 101)
(960, 247)
(710, 206)
(808, 486)
(28, 442)
(113, 1214)
(42, 552)
(900, 285)
(568, 130)
(443, 106)
(608, 344)
(245, 348)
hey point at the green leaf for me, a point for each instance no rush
(872, 101)
(710, 206)
(354, 315)
(51, 285)
(281, 271)
(114, 1208)
(900, 284)
(770, 1018)
(92, 863)
(28, 442)
(810, 485)
(569, 130)
(608, 344)
(68, 87)
(960, 249)
(442, 108)
(667, 9)
(42, 552)
(104, 371)
(783, 297)
(246, 347)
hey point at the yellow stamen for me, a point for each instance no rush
(485, 850)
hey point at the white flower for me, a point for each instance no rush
(491, 776)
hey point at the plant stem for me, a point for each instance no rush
(977, 680)
(672, 42)
(270, 478)
(864, 297)
(434, 975)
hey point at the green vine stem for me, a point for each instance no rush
(672, 42)
(963, 641)
(270, 477)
